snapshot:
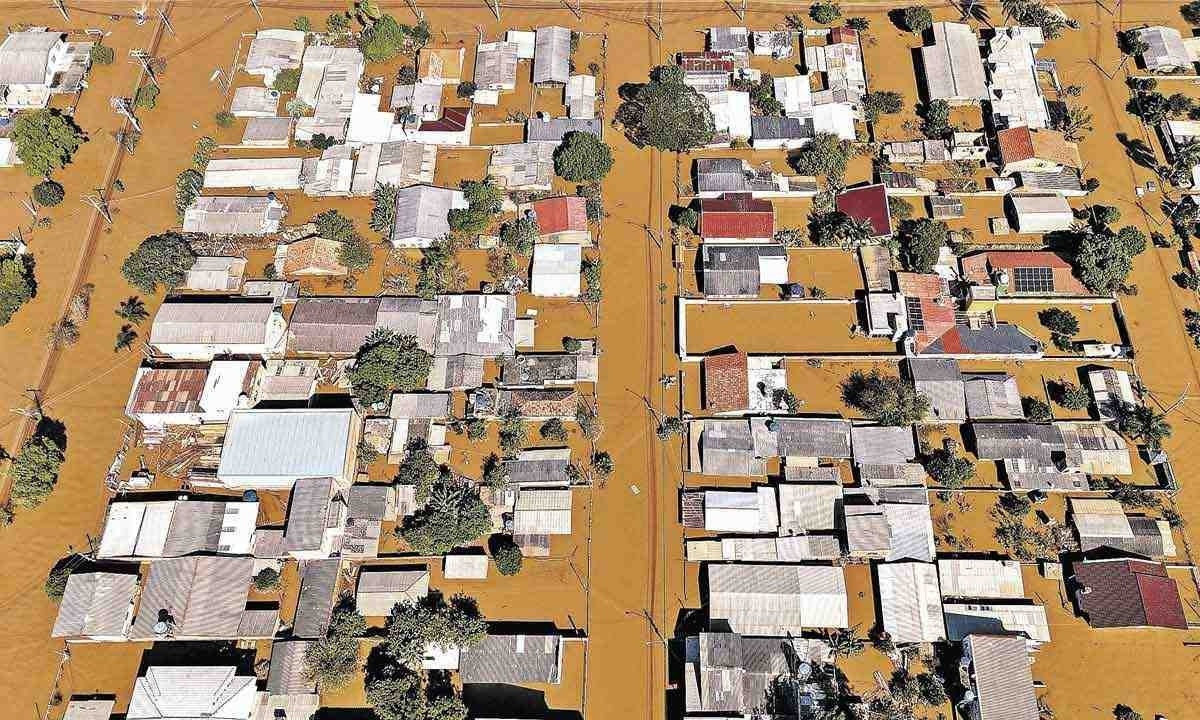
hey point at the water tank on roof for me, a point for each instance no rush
(250, 496)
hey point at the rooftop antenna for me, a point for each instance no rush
(62, 8)
(100, 203)
(576, 8)
(257, 9)
(125, 108)
(162, 16)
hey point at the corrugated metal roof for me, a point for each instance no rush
(883, 445)
(291, 443)
(466, 567)
(308, 513)
(381, 588)
(511, 659)
(1024, 619)
(202, 596)
(555, 129)
(95, 604)
(551, 55)
(805, 508)
(480, 325)
(542, 511)
(192, 692)
(25, 56)
(777, 600)
(971, 578)
(1002, 678)
(813, 437)
(318, 581)
(211, 323)
(910, 603)
(289, 672)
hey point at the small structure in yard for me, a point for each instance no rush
(740, 271)
(709, 71)
(251, 101)
(525, 40)
(367, 508)
(735, 217)
(1111, 390)
(271, 449)
(1038, 150)
(310, 257)
(580, 97)
(419, 418)
(421, 212)
(544, 129)
(522, 166)
(1039, 213)
(150, 529)
(869, 204)
(969, 146)
(80, 709)
(732, 120)
(942, 207)
(288, 380)
(551, 55)
(555, 270)
(542, 511)
(549, 369)
(332, 325)
(381, 588)
(38, 63)
(734, 40)
(273, 50)
(1103, 523)
(1024, 619)
(529, 403)
(202, 330)
(952, 67)
(513, 659)
(441, 65)
(315, 519)
(495, 71)
(96, 607)
(190, 395)
(233, 215)
(168, 693)
(1126, 593)
(730, 674)
(539, 467)
(1165, 50)
(215, 274)
(201, 598)
(776, 44)
(466, 567)
(777, 600)
(910, 604)
(318, 594)
(562, 219)
(291, 692)
(1001, 682)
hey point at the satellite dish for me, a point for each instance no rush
(161, 627)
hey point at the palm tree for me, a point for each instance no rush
(1144, 423)
(133, 310)
(845, 643)
(853, 232)
(976, 10)
(125, 337)
(1013, 8)
(1076, 122)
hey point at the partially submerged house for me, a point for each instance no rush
(1022, 618)
(400, 163)
(732, 118)
(233, 215)
(329, 79)
(250, 101)
(1165, 50)
(310, 257)
(1014, 92)
(381, 588)
(551, 55)
(1038, 273)
(545, 129)
(1103, 523)
(952, 67)
(1126, 592)
(441, 65)
(890, 524)
(315, 519)
(1039, 150)
(522, 166)
(741, 271)
(495, 71)
(186, 692)
(96, 607)
(539, 467)
(186, 330)
(151, 529)
(291, 692)
(733, 40)
(580, 96)
(555, 270)
(867, 204)
(980, 578)
(777, 600)
(278, 173)
(910, 604)
(716, 176)
(736, 217)
(38, 63)
(562, 219)
(332, 325)
(727, 673)
(1001, 681)
(421, 212)
(546, 369)
(479, 325)
(542, 511)
(955, 396)
(273, 50)
(726, 381)
(178, 395)
(753, 512)
(512, 659)
(318, 594)
(1112, 390)
(215, 274)
(200, 598)
(1052, 457)
(723, 447)
(271, 449)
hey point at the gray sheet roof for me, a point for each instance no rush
(778, 127)
(410, 316)
(1147, 539)
(196, 527)
(368, 502)
(883, 445)
(421, 212)
(813, 437)
(730, 673)
(289, 673)
(733, 270)
(25, 55)
(939, 380)
(551, 55)
(1025, 441)
(308, 511)
(333, 325)
(539, 368)
(318, 580)
(999, 339)
(555, 129)
(496, 65)
(457, 372)
(233, 215)
(992, 396)
(952, 66)
(204, 596)
(420, 405)
(481, 325)
(1003, 679)
(512, 659)
(235, 322)
(540, 466)
(720, 175)
(735, 39)
(287, 443)
(95, 604)
(727, 448)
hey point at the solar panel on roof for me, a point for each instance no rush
(916, 318)
(1033, 279)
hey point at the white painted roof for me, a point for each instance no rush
(970, 578)
(910, 602)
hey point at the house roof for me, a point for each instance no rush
(556, 270)
(1021, 143)
(867, 203)
(192, 693)
(382, 588)
(735, 270)
(423, 405)
(555, 129)
(24, 56)
(308, 514)
(1165, 48)
(453, 119)
(211, 323)
(540, 466)
(777, 600)
(883, 445)
(203, 596)
(812, 437)
(480, 325)
(940, 380)
(1029, 271)
(288, 674)
(275, 49)
(233, 215)
(496, 64)
(78, 709)
(736, 39)
(315, 254)
(706, 61)
(806, 507)
(336, 325)
(551, 54)
(726, 382)
(999, 339)
(95, 604)
(314, 607)
(1127, 593)
(732, 674)
(992, 396)
(726, 448)
(466, 567)
(511, 659)
(952, 66)
(441, 63)
(167, 390)
(910, 603)
(542, 511)
(741, 511)
(978, 578)
(561, 214)
(779, 127)
(736, 215)
(1003, 680)
(287, 443)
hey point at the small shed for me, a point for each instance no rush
(466, 567)
(556, 270)
(552, 53)
(382, 588)
(251, 101)
(1040, 212)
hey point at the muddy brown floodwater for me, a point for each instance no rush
(635, 582)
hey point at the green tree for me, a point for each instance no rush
(383, 211)
(666, 114)
(388, 362)
(56, 582)
(146, 97)
(884, 398)
(1037, 410)
(266, 580)
(917, 19)
(397, 695)
(949, 470)
(899, 208)
(882, 102)
(332, 661)
(519, 235)
(420, 470)
(1143, 423)
(465, 89)
(302, 23)
(453, 516)
(582, 157)
(859, 24)
(133, 310)
(355, 254)
(553, 429)
(826, 155)
(187, 188)
(337, 23)
(845, 643)
(603, 464)
(508, 557)
(17, 285)
(125, 338)
(588, 420)
(159, 260)
(333, 225)
(1063, 327)
(287, 80)
(413, 626)
(495, 472)
(935, 119)
(1103, 260)
(513, 433)
(34, 471)
(825, 13)
(48, 193)
(386, 38)
(45, 140)
(102, 54)
(921, 242)
(1071, 396)
(225, 119)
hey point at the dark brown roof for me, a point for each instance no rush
(453, 119)
(1128, 593)
(169, 390)
(867, 203)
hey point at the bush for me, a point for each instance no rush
(520, 235)
(1071, 396)
(102, 54)
(949, 470)
(56, 582)
(146, 96)
(508, 557)
(882, 102)
(224, 119)
(465, 89)
(1063, 326)
(1036, 410)
(935, 119)
(885, 398)
(187, 189)
(45, 140)
(159, 260)
(921, 243)
(332, 661)
(582, 157)
(686, 217)
(17, 285)
(826, 155)
(859, 24)
(453, 516)
(48, 193)
(825, 13)
(287, 81)
(1014, 504)
(388, 362)
(917, 19)
(553, 429)
(266, 580)
(125, 338)
(132, 309)
(34, 471)
(571, 345)
(603, 464)
(302, 23)
(355, 254)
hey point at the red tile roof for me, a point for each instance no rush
(561, 214)
(726, 382)
(736, 215)
(867, 203)
(1128, 593)
(922, 285)
(1015, 143)
(706, 61)
(168, 391)
(1021, 143)
(453, 119)
(843, 35)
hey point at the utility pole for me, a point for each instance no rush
(416, 11)
(257, 9)
(30, 206)
(162, 16)
(655, 26)
(576, 9)
(100, 203)
(495, 6)
(125, 108)
(62, 8)
(739, 9)
(143, 58)
(34, 413)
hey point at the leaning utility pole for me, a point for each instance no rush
(739, 10)
(495, 6)
(576, 8)
(30, 206)
(62, 8)
(257, 9)
(162, 16)
(655, 25)
(143, 58)
(416, 11)
(125, 108)
(101, 205)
